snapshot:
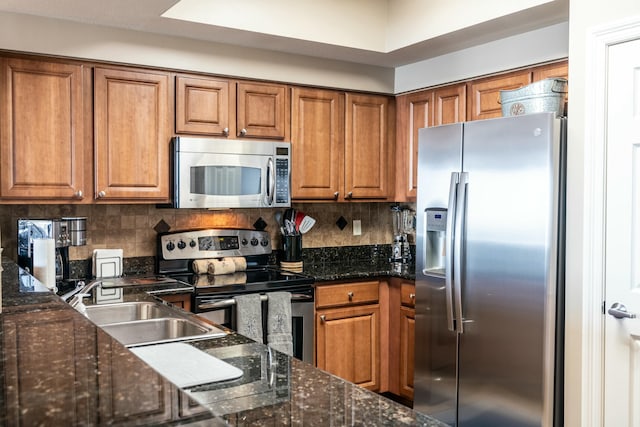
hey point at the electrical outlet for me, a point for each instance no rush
(357, 227)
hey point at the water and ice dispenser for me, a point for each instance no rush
(436, 238)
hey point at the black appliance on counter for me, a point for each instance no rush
(213, 296)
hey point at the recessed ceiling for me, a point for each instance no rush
(385, 33)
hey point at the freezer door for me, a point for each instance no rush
(509, 269)
(439, 155)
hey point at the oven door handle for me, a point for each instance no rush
(231, 301)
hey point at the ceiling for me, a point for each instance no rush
(247, 23)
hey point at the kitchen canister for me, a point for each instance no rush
(546, 95)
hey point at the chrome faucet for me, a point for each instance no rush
(75, 296)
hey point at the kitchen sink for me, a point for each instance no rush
(147, 322)
(126, 312)
(161, 330)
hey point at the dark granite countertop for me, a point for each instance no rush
(58, 368)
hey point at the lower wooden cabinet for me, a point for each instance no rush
(348, 332)
(179, 300)
(407, 346)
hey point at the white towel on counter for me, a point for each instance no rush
(249, 316)
(279, 336)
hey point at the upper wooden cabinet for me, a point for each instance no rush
(42, 130)
(369, 156)
(317, 143)
(485, 93)
(222, 107)
(132, 134)
(203, 106)
(342, 145)
(418, 110)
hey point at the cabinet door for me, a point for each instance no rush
(368, 156)
(485, 93)
(450, 104)
(558, 69)
(30, 344)
(317, 143)
(131, 392)
(42, 140)
(262, 111)
(348, 344)
(132, 134)
(203, 106)
(415, 111)
(407, 348)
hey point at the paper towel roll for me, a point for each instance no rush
(44, 261)
(239, 262)
(221, 267)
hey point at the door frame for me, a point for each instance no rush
(591, 350)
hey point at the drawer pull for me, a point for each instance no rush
(322, 318)
(412, 297)
(350, 295)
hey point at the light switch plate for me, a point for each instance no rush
(357, 227)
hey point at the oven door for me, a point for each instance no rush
(220, 309)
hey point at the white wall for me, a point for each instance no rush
(525, 49)
(65, 38)
(583, 16)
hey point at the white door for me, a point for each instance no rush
(622, 246)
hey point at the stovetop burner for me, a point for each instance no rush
(178, 250)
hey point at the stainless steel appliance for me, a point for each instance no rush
(217, 173)
(65, 231)
(489, 275)
(214, 294)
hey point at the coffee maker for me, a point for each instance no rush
(65, 232)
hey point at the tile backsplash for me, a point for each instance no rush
(131, 227)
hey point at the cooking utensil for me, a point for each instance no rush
(306, 224)
(299, 217)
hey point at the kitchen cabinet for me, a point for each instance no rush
(132, 134)
(179, 300)
(418, 110)
(485, 93)
(317, 143)
(369, 150)
(40, 355)
(220, 107)
(124, 398)
(45, 141)
(347, 331)
(342, 146)
(407, 338)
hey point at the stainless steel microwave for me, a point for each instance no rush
(222, 173)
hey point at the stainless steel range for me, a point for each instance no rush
(214, 294)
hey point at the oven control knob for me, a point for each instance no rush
(264, 242)
(170, 246)
(181, 244)
(244, 241)
(192, 244)
(254, 242)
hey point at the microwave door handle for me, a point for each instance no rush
(271, 182)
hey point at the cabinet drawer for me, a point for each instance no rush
(347, 294)
(408, 294)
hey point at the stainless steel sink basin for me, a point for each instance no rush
(126, 312)
(146, 322)
(160, 330)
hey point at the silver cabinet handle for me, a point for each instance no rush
(350, 295)
(619, 311)
(78, 194)
(323, 318)
(243, 132)
(412, 296)
(349, 194)
(335, 195)
(101, 194)
(225, 131)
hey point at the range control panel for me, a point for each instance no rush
(214, 243)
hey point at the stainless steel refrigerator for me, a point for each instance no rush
(489, 272)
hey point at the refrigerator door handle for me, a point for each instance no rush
(449, 239)
(460, 216)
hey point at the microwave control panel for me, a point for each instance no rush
(282, 180)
